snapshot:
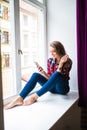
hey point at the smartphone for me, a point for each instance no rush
(37, 64)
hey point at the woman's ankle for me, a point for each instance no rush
(36, 96)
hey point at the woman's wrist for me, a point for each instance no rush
(60, 65)
(42, 71)
(59, 69)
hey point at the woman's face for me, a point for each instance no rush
(53, 53)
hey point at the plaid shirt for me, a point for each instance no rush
(52, 66)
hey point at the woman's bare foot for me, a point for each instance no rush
(17, 102)
(31, 99)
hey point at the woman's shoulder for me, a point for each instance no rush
(50, 59)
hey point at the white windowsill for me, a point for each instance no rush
(41, 115)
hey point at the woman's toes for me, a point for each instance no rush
(16, 102)
(30, 100)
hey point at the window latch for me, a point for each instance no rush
(20, 52)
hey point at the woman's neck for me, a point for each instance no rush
(58, 60)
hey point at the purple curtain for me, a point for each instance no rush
(81, 11)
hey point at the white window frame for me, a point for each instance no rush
(16, 39)
(15, 30)
(42, 6)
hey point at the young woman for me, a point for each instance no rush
(56, 80)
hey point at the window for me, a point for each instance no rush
(4, 10)
(26, 43)
(27, 36)
(32, 36)
(40, 1)
(5, 60)
(25, 20)
(5, 37)
(7, 50)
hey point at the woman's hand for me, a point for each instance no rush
(63, 59)
(40, 69)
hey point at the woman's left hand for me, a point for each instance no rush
(64, 59)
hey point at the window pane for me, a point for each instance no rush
(7, 52)
(31, 21)
(40, 1)
(31, 27)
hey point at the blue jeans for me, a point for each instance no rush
(55, 84)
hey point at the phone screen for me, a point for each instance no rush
(37, 64)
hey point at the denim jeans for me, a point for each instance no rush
(55, 84)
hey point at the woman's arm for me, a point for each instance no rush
(65, 65)
(41, 70)
(62, 61)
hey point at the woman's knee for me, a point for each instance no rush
(35, 74)
(56, 74)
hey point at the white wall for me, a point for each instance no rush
(61, 25)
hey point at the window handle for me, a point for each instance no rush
(20, 52)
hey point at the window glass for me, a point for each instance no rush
(29, 40)
(7, 51)
(40, 1)
(31, 28)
